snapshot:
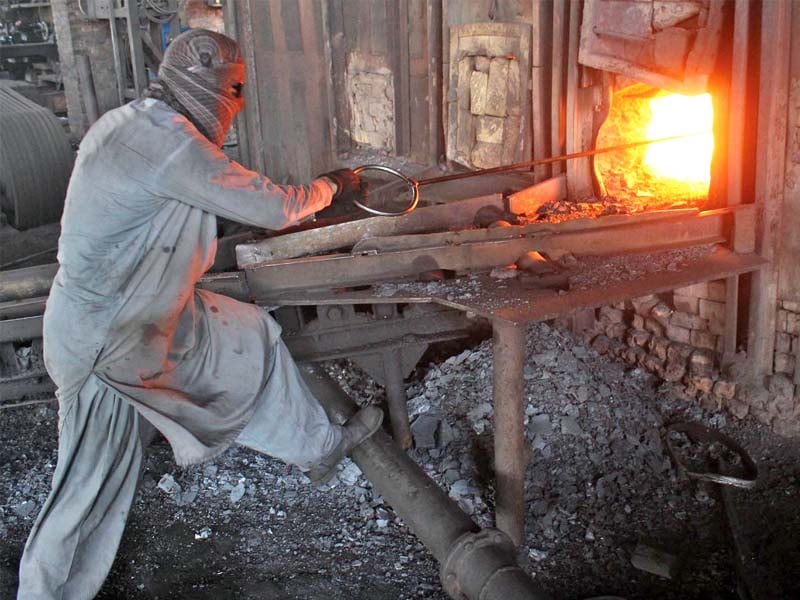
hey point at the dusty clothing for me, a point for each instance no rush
(129, 340)
(138, 232)
(100, 452)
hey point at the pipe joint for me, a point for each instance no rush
(483, 566)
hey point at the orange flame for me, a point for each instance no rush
(687, 160)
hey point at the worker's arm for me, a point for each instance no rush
(198, 173)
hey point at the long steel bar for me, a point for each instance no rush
(509, 437)
(546, 161)
(476, 565)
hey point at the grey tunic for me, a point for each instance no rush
(128, 338)
(138, 232)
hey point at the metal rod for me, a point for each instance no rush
(396, 396)
(112, 23)
(545, 161)
(509, 437)
(27, 403)
(475, 564)
(28, 282)
(502, 169)
(24, 259)
(88, 91)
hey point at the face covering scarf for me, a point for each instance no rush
(203, 71)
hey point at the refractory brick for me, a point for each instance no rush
(688, 320)
(711, 310)
(701, 363)
(611, 315)
(679, 334)
(784, 363)
(783, 342)
(703, 339)
(688, 304)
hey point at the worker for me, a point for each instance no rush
(133, 344)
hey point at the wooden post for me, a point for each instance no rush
(435, 82)
(509, 436)
(579, 114)
(770, 176)
(557, 85)
(251, 116)
(540, 117)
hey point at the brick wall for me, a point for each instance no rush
(678, 337)
(77, 35)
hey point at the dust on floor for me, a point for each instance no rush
(598, 483)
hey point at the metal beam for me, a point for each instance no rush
(348, 270)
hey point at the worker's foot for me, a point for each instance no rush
(358, 428)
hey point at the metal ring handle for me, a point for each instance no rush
(412, 185)
(698, 433)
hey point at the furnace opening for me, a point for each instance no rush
(668, 174)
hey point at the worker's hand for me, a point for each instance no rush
(349, 186)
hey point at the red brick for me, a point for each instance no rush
(654, 327)
(702, 384)
(783, 342)
(784, 363)
(780, 320)
(659, 346)
(611, 315)
(701, 363)
(698, 290)
(689, 304)
(713, 311)
(717, 290)
(638, 337)
(678, 334)
(725, 389)
(687, 320)
(703, 339)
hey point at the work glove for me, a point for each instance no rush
(349, 186)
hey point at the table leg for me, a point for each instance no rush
(396, 396)
(509, 436)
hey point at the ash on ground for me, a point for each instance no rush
(599, 484)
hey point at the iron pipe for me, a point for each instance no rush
(31, 282)
(476, 564)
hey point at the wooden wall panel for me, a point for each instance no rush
(391, 34)
(789, 288)
(287, 116)
(776, 30)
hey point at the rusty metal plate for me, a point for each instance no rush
(668, 44)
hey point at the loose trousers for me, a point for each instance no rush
(100, 454)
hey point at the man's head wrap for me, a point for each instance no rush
(204, 72)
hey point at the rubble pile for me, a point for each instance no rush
(607, 512)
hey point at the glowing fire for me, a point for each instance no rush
(687, 160)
